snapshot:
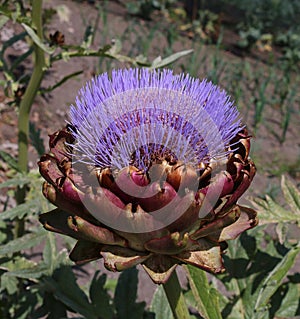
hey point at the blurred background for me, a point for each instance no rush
(250, 48)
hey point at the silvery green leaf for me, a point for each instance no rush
(36, 39)
(159, 63)
(9, 283)
(290, 302)
(271, 283)
(34, 272)
(206, 296)
(160, 305)
(50, 252)
(20, 180)
(31, 206)
(24, 242)
(3, 20)
(291, 195)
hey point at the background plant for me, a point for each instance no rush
(34, 269)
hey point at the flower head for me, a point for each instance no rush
(138, 116)
(149, 171)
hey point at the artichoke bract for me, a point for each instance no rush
(148, 171)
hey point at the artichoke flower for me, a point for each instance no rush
(148, 171)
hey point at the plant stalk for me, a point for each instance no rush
(175, 297)
(26, 104)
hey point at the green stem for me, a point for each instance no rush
(175, 297)
(26, 103)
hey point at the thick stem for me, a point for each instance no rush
(26, 103)
(175, 297)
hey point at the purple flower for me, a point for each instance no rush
(138, 114)
(149, 171)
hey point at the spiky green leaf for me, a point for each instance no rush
(291, 195)
(20, 180)
(271, 283)
(31, 206)
(269, 211)
(100, 297)
(24, 242)
(125, 296)
(69, 294)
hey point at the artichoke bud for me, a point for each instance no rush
(149, 172)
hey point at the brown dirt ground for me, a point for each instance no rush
(49, 112)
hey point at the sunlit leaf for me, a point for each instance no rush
(9, 283)
(50, 252)
(269, 211)
(31, 206)
(63, 12)
(206, 296)
(20, 180)
(246, 266)
(36, 271)
(24, 268)
(17, 263)
(3, 20)
(159, 63)
(291, 195)
(116, 47)
(88, 37)
(24, 242)
(275, 277)
(36, 39)
(289, 303)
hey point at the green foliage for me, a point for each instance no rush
(145, 8)
(100, 298)
(250, 270)
(10, 160)
(59, 51)
(54, 290)
(274, 279)
(37, 278)
(262, 24)
(271, 212)
(160, 306)
(36, 139)
(126, 294)
(206, 296)
(35, 287)
(256, 284)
